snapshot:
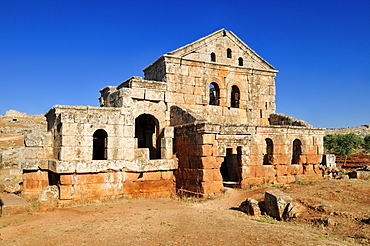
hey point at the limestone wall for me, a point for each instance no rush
(203, 148)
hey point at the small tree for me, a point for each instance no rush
(366, 144)
(343, 144)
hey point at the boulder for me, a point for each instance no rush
(325, 221)
(250, 207)
(359, 174)
(294, 210)
(10, 186)
(49, 198)
(276, 202)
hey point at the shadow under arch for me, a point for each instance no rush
(147, 133)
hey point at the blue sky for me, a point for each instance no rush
(64, 52)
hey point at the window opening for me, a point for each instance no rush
(214, 94)
(268, 157)
(228, 53)
(100, 142)
(241, 62)
(213, 57)
(147, 132)
(235, 96)
(297, 151)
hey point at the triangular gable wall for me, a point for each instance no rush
(250, 56)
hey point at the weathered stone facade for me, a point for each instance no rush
(202, 118)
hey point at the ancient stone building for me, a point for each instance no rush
(202, 118)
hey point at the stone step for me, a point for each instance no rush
(13, 174)
(13, 204)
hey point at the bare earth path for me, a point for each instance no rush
(156, 222)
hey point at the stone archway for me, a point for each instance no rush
(147, 133)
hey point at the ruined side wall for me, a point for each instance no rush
(281, 169)
(23, 138)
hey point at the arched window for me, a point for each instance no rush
(147, 132)
(100, 145)
(268, 157)
(214, 94)
(297, 151)
(235, 96)
(228, 53)
(241, 63)
(213, 57)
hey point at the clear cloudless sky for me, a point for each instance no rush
(65, 51)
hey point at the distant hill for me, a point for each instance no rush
(358, 130)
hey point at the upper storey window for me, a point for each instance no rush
(235, 96)
(241, 63)
(228, 53)
(213, 57)
(214, 94)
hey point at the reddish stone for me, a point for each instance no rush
(209, 138)
(66, 179)
(131, 176)
(66, 192)
(167, 175)
(296, 169)
(211, 175)
(285, 179)
(152, 176)
(282, 170)
(211, 187)
(211, 162)
(91, 178)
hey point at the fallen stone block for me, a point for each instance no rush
(10, 186)
(13, 204)
(294, 210)
(250, 207)
(362, 174)
(49, 198)
(276, 202)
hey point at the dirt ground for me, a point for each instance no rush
(213, 221)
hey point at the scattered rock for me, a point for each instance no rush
(325, 221)
(250, 207)
(9, 187)
(49, 198)
(294, 210)
(360, 174)
(276, 202)
(323, 208)
(366, 221)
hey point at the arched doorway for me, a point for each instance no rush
(147, 132)
(100, 145)
(297, 151)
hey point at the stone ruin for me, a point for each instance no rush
(202, 118)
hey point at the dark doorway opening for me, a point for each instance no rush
(147, 133)
(100, 145)
(297, 151)
(268, 157)
(231, 168)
